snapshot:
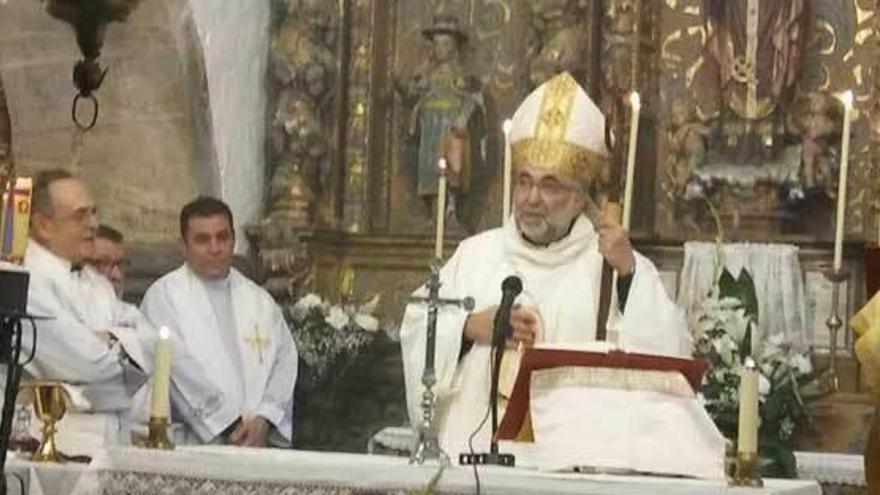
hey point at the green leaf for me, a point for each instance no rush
(741, 288)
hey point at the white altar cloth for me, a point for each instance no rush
(218, 469)
(42, 478)
(831, 468)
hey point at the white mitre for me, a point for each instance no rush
(558, 128)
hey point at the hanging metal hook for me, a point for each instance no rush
(73, 111)
(89, 19)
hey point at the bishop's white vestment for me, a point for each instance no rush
(562, 282)
(250, 372)
(74, 346)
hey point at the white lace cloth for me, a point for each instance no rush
(828, 468)
(779, 283)
(221, 469)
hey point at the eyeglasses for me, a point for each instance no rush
(548, 188)
(108, 264)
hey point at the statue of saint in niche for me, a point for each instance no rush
(447, 117)
(559, 39)
(749, 74)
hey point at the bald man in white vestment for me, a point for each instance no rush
(558, 149)
(234, 330)
(94, 342)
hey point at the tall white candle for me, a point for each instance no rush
(160, 405)
(847, 98)
(441, 209)
(635, 104)
(747, 437)
(508, 174)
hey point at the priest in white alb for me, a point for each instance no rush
(235, 333)
(92, 342)
(558, 150)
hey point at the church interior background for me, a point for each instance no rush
(307, 117)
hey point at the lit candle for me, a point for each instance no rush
(847, 98)
(508, 171)
(160, 406)
(441, 209)
(747, 438)
(636, 106)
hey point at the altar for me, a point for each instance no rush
(219, 470)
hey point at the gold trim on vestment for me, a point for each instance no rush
(558, 156)
(667, 382)
(548, 149)
(556, 108)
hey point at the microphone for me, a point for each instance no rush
(510, 288)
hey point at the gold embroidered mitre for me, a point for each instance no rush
(557, 128)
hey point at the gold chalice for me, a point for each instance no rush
(50, 404)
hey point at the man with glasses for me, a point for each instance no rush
(92, 342)
(558, 150)
(108, 256)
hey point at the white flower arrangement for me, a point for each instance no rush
(327, 333)
(724, 327)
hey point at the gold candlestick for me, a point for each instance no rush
(747, 470)
(157, 437)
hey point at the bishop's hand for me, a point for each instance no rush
(251, 432)
(615, 247)
(524, 323)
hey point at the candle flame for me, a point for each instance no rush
(164, 333)
(634, 100)
(441, 164)
(506, 126)
(847, 98)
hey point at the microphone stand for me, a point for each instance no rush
(13, 312)
(10, 355)
(500, 331)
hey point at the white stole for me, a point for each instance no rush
(199, 328)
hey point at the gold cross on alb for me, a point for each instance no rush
(258, 341)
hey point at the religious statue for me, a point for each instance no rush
(303, 62)
(686, 138)
(291, 191)
(818, 121)
(448, 115)
(751, 67)
(560, 39)
(619, 46)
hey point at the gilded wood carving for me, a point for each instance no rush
(750, 114)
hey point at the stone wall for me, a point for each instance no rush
(182, 108)
(141, 157)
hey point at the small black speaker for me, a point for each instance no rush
(13, 291)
